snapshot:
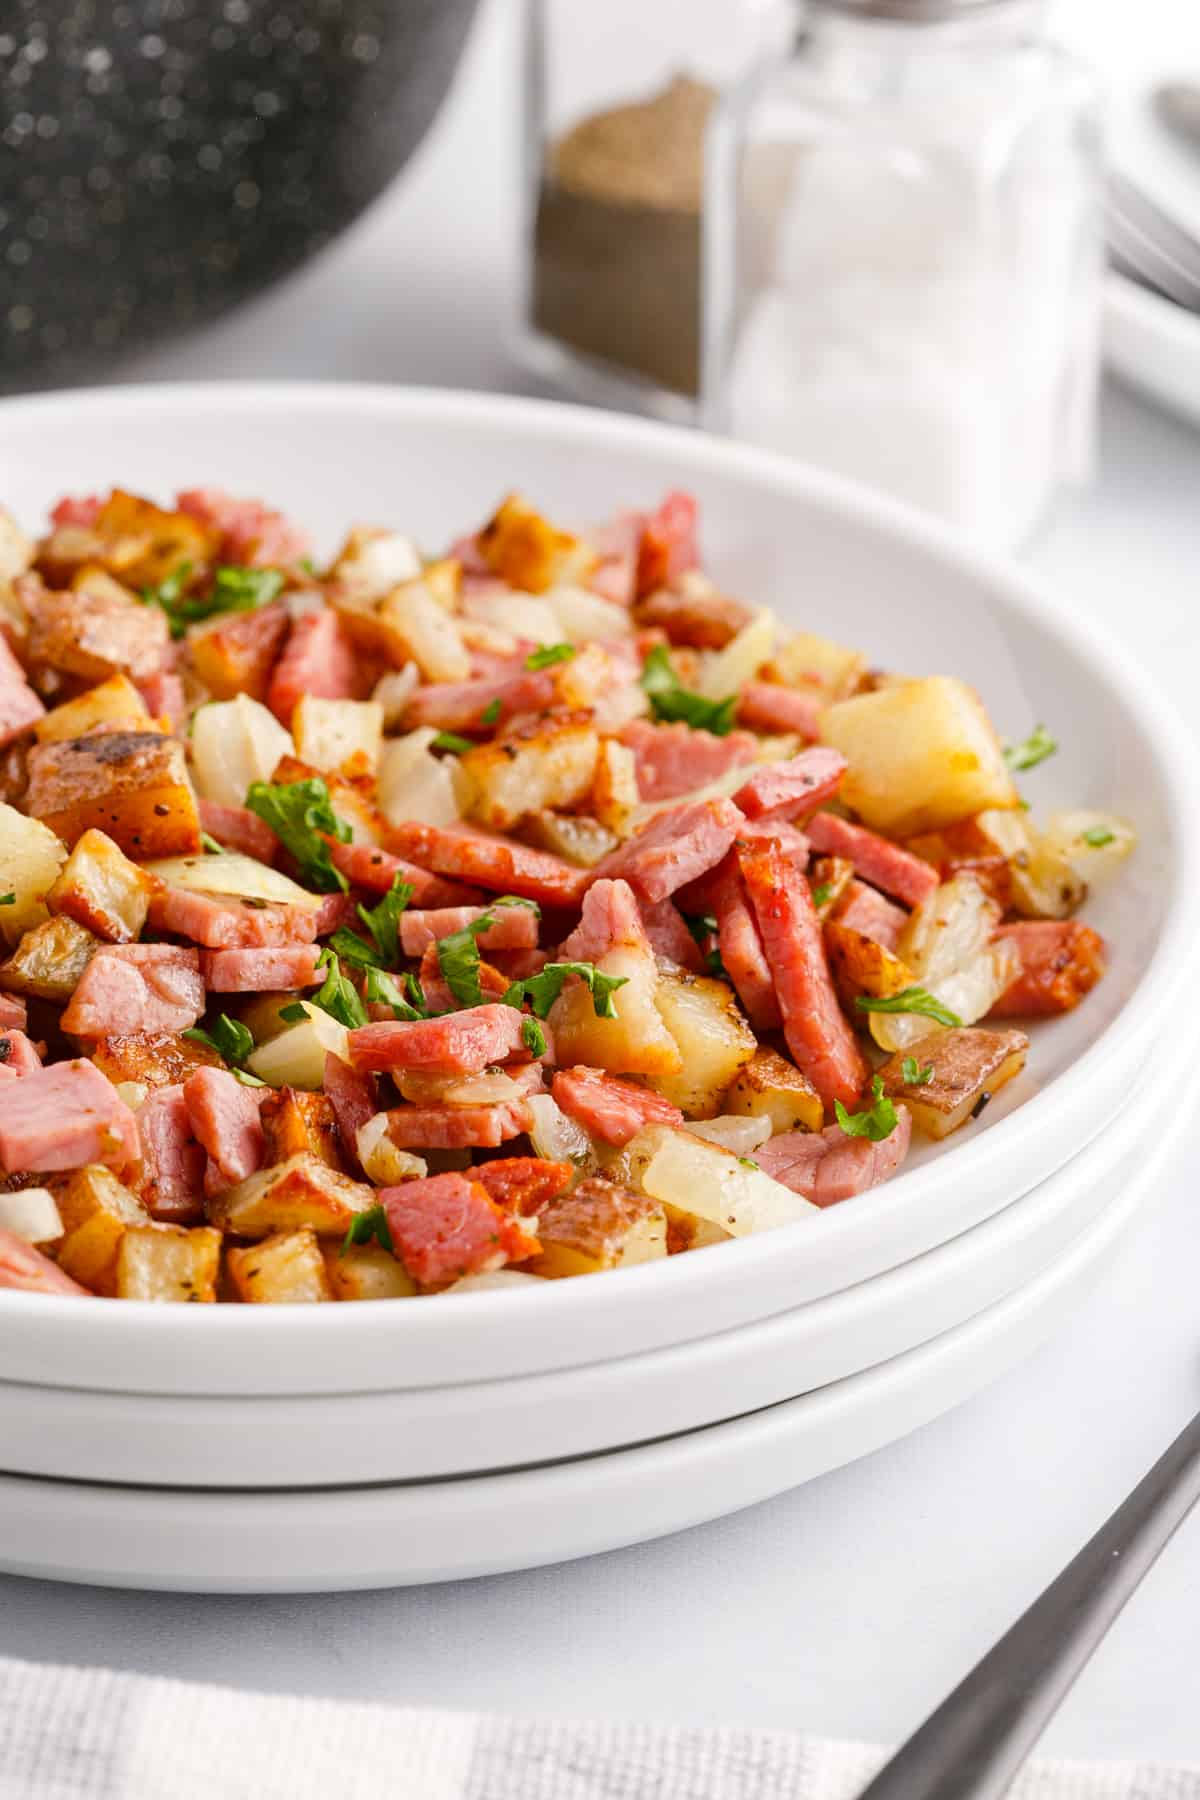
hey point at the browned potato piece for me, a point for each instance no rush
(113, 702)
(714, 1041)
(829, 876)
(367, 1272)
(285, 1269)
(770, 1087)
(301, 1192)
(861, 966)
(294, 1121)
(548, 764)
(155, 1058)
(143, 543)
(169, 1263)
(598, 1226)
(573, 836)
(528, 551)
(102, 890)
(967, 1065)
(49, 960)
(234, 654)
(131, 784)
(615, 797)
(99, 632)
(96, 1210)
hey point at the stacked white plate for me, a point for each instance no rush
(246, 1448)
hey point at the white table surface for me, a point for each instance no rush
(849, 1606)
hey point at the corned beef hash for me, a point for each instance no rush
(539, 908)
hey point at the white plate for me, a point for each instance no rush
(401, 1535)
(1154, 344)
(823, 554)
(280, 1442)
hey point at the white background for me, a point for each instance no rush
(851, 1605)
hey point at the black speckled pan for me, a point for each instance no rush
(161, 160)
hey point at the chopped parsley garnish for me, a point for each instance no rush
(298, 812)
(383, 923)
(748, 1162)
(910, 1000)
(210, 844)
(8, 899)
(381, 990)
(703, 926)
(231, 1040)
(367, 1227)
(337, 995)
(458, 954)
(914, 1075)
(821, 894)
(233, 589)
(308, 565)
(548, 655)
(672, 702)
(542, 990)
(1098, 836)
(491, 712)
(450, 740)
(1035, 749)
(876, 1122)
(533, 1037)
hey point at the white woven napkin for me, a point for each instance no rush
(94, 1734)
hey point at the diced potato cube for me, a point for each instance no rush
(96, 1211)
(725, 672)
(284, 1270)
(169, 1263)
(294, 1120)
(96, 632)
(296, 1057)
(859, 965)
(637, 1041)
(102, 890)
(416, 785)
(530, 553)
(713, 1039)
(830, 671)
(114, 702)
(1043, 878)
(235, 653)
(234, 744)
(424, 632)
(920, 755)
(303, 1191)
(151, 1059)
(31, 1213)
(526, 616)
(547, 766)
(575, 837)
(955, 1072)
(704, 1182)
(373, 561)
(328, 732)
(596, 1226)
(31, 854)
(394, 690)
(615, 797)
(947, 944)
(1094, 843)
(145, 544)
(583, 617)
(740, 1132)
(49, 960)
(16, 550)
(132, 784)
(367, 1272)
(771, 1087)
(235, 875)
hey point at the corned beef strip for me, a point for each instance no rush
(459, 1043)
(172, 1175)
(867, 911)
(238, 829)
(271, 970)
(610, 916)
(1061, 961)
(784, 789)
(19, 705)
(223, 1115)
(223, 923)
(136, 987)
(446, 1226)
(17, 1055)
(496, 863)
(515, 927)
(523, 1184)
(883, 864)
(27, 1271)
(367, 866)
(438, 997)
(702, 621)
(675, 848)
(13, 1010)
(817, 1032)
(668, 548)
(165, 698)
(444, 1127)
(461, 705)
(768, 706)
(318, 659)
(354, 1098)
(740, 943)
(828, 1166)
(669, 937)
(611, 1109)
(252, 533)
(63, 1117)
(675, 759)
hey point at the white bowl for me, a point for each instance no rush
(282, 1441)
(400, 1534)
(824, 555)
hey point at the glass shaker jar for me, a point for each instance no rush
(903, 255)
(618, 99)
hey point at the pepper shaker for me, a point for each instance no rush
(903, 258)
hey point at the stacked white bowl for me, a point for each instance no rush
(260, 1448)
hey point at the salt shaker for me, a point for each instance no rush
(902, 258)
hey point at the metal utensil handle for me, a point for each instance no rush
(974, 1744)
